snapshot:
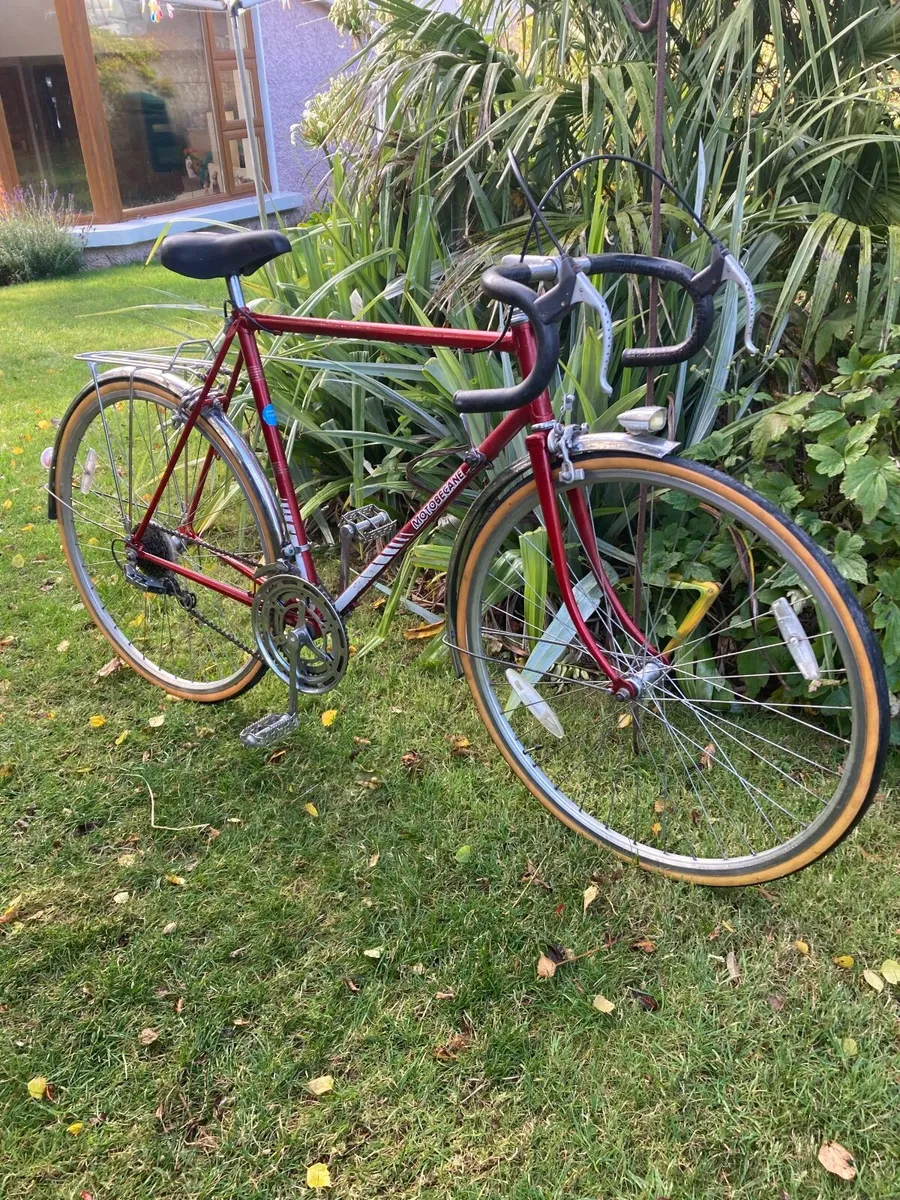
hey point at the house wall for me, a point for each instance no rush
(30, 30)
(301, 50)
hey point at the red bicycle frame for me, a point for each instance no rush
(518, 341)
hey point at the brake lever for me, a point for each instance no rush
(584, 292)
(735, 273)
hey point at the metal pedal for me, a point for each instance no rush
(365, 525)
(269, 729)
(274, 727)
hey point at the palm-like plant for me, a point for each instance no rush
(781, 125)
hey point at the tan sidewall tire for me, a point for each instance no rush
(873, 749)
(255, 670)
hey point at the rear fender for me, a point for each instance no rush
(178, 388)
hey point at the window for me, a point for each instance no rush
(171, 103)
(155, 104)
(34, 91)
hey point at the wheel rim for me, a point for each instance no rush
(669, 765)
(109, 465)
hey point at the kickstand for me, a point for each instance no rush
(273, 728)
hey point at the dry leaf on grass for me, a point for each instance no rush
(177, 880)
(890, 969)
(706, 758)
(849, 1046)
(590, 895)
(801, 947)
(121, 897)
(845, 961)
(37, 1087)
(452, 1049)
(645, 945)
(75, 1128)
(375, 952)
(531, 874)
(373, 859)
(157, 721)
(320, 1085)
(311, 809)
(459, 745)
(114, 664)
(836, 1159)
(170, 927)
(96, 721)
(444, 995)
(734, 974)
(874, 980)
(148, 1036)
(603, 1005)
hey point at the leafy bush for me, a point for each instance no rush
(831, 459)
(38, 236)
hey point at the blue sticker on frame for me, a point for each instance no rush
(268, 415)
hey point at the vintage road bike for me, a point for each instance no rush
(662, 657)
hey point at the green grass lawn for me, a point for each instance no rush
(241, 942)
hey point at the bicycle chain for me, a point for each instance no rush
(192, 611)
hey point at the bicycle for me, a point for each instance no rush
(662, 657)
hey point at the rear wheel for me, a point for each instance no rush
(184, 637)
(760, 743)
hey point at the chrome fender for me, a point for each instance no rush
(178, 388)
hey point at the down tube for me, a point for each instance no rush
(511, 424)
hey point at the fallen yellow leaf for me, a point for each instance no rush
(96, 721)
(375, 952)
(656, 828)
(874, 980)
(148, 1036)
(37, 1087)
(122, 736)
(176, 879)
(121, 898)
(62, 647)
(843, 960)
(318, 1176)
(157, 721)
(29, 528)
(43, 424)
(590, 895)
(624, 721)
(137, 622)
(311, 809)
(17, 561)
(849, 1046)
(320, 1085)
(11, 911)
(890, 969)
(75, 1128)
(328, 718)
(603, 1005)
(801, 947)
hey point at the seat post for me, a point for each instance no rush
(235, 293)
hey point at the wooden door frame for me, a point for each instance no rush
(9, 172)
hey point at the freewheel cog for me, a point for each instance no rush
(286, 604)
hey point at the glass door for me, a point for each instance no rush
(232, 118)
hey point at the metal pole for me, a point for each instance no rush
(235, 10)
(659, 16)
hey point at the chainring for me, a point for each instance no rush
(287, 602)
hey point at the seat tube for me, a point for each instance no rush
(290, 509)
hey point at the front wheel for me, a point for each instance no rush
(760, 728)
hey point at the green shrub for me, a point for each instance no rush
(38, 236)
(831, 459)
